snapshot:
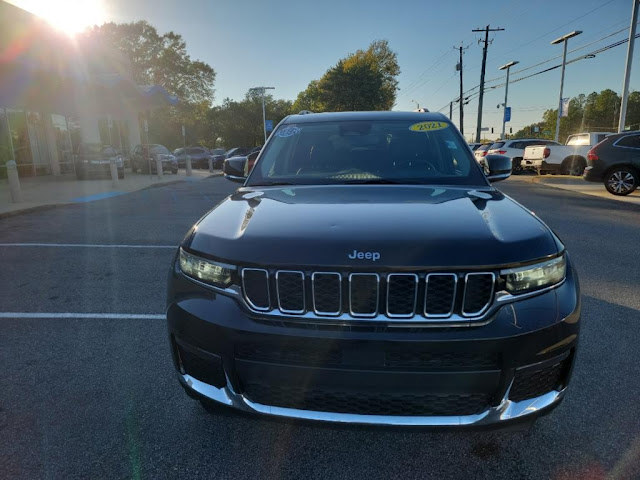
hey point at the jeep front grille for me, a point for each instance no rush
(366, 295)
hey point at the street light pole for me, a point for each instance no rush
(563, 40)
(264, 116)
(627, 73)
(506, 92)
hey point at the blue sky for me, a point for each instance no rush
(288, 44)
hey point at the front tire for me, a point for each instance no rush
(621, 180)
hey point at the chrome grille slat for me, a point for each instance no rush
(478, 296)
(445, 297)
(323, 290)
(399, 305)
(361, 294)
(251, 288)
(436, 303)
(290, 295)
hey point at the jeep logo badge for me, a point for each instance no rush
(375, 256)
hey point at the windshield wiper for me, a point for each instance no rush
(269, 184)
(376, 181)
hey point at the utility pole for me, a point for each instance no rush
(461, 100)
(450, 110)
(264, 117)
(486, 31)
(627, 72)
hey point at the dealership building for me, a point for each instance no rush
(56, 92)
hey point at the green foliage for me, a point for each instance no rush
(158, 59)
(308, 99)
(163, 60)
(240, 123)
(593, 112)
(364, 80)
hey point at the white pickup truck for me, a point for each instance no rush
(569, 159)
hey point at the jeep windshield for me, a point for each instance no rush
(367, 152)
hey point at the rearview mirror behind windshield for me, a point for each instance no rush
(498, 167)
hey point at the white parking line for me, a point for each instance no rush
(93, 316)
(83, 245)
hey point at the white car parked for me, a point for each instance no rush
(569, 159)
(514, 149)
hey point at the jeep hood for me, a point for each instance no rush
(408, 226)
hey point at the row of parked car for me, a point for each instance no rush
(613, 159)
(93, 159)
(513, 149)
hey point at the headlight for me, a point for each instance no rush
(218, 274)
(533, 277)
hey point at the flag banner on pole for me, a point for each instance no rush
(565, 107)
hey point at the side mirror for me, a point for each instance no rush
(251, 161)
(233, 169)
(498, 167)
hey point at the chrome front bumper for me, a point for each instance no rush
(507, 410)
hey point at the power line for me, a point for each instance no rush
(577, 59)
(538, 37)
(560, 56)
(418, 82)
(469, 95)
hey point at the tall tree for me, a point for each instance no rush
(240, 123)
(364, 80)
(308, 99)
(159, 59)
(162, 59)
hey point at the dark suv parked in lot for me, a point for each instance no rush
(93, 159)
(144, 159)
(368, 272)
(615, 161)
(199, 157)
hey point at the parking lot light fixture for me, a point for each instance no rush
(563, 39)
(261, 90)
(506, 67)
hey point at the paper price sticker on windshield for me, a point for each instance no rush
(428, 126)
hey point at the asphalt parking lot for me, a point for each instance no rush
(87, 388)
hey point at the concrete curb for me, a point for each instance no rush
(51, 206)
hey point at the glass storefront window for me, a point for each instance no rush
(63, 143)
(6, 152)
(20, 138)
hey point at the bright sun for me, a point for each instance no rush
(69, 16)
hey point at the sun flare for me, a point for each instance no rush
(68, 16)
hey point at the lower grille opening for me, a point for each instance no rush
(532, 383)
(307, 355)
(326, 355)
(337, 401)
(202, 365)
(442, 360)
